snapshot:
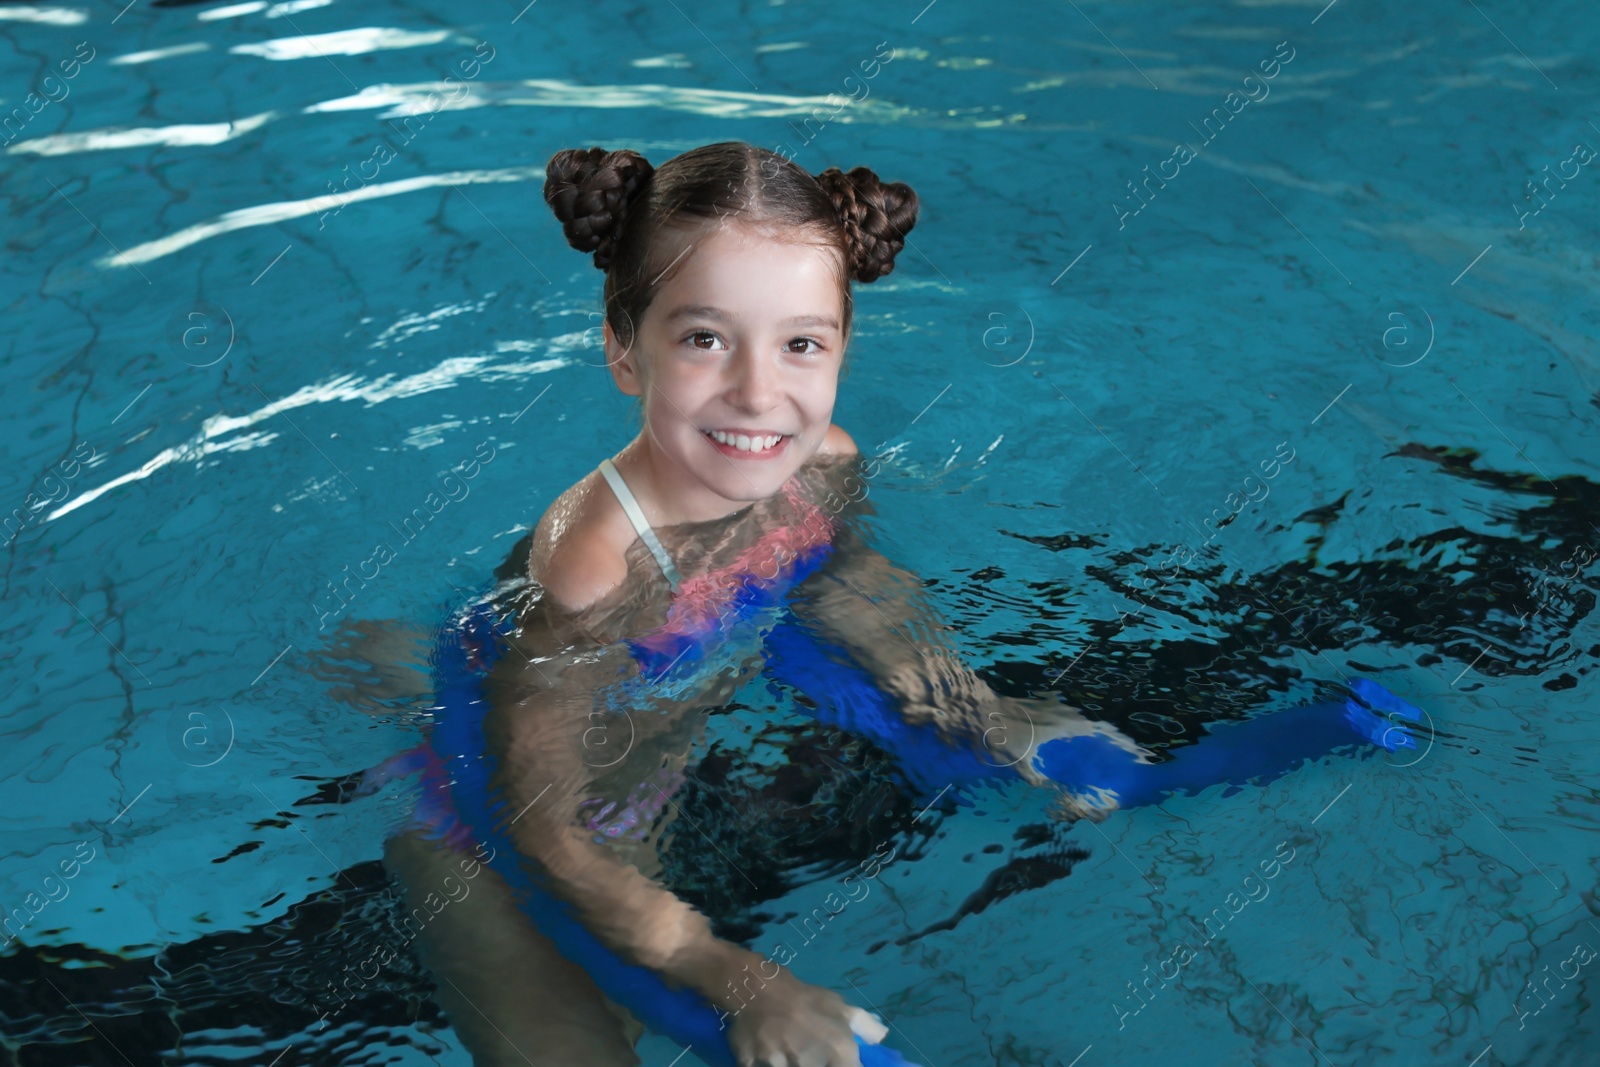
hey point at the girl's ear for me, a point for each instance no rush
(623, 364)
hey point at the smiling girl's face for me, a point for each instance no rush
(741, 345)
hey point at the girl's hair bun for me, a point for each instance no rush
(590, 190)
(876, 218)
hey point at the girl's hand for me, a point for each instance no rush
(1015, 727)
(793, 1024)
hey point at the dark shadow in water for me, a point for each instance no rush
(1016, 875)
(811, 802)
(259, 987)
(1440, 616)
(803, 804)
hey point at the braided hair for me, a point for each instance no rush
(590, 190)
(614, 205)
(875, 217)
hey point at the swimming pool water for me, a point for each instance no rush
(1296, 299)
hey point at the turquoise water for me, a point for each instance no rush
(261, 300)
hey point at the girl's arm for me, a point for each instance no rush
(881, 615)
(536, 732)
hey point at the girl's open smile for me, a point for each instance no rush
(742, 444)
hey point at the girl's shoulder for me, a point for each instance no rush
(837, 443)
(827, 474)
(578, 550)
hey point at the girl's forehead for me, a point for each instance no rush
(736, 268)
(745, 264)
(743, 241)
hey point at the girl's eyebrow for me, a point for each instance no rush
(813, 320)
(705, 311)
(699, 311)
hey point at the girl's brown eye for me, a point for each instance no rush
(695, 337)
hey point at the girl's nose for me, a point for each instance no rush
(755, 384)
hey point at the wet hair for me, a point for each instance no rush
(615, 205)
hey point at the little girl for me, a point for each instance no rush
(728, 313)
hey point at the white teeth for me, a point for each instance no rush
(744, 443)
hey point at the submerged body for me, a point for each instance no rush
(611, 770)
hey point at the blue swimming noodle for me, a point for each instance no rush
(1257, 749)
(840, 694)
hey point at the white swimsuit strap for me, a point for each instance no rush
(636, 516)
